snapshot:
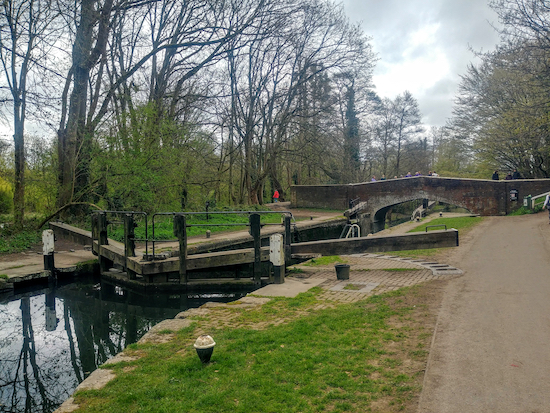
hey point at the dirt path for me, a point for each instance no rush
(491, 346)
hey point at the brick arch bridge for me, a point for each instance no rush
(479, 196)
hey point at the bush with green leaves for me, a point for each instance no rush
(6, 201)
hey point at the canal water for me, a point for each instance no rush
(52, 339)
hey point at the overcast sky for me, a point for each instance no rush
(423, 46)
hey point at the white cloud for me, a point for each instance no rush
(423, 46)
(423, 63)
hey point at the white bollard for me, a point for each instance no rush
(277, 257)
(48, 247)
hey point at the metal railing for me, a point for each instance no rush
(436, 226)
(152, 240)
(100, 225)
(535, 200)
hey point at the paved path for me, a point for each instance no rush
(491, 350)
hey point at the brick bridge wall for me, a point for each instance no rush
(479, 196)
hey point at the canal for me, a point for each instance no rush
(52, 339)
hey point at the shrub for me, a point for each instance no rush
(6, 198)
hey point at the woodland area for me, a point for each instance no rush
(162, 105)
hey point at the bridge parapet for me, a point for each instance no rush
(479, 196)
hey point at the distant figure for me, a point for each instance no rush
(430, 173)
(434, 173)
(418, 174)
(276, 196)
(373, 179)
(408, 175)
(495, 176)
(516, 174)
(509, 176)
(383, 178)
(547, 206)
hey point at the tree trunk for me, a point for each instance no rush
(19, 157)
(74, 136)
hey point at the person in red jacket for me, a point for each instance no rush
(276, 196)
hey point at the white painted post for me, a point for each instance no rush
(277, 257)
(48, 247)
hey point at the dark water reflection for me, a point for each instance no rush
(51, 340)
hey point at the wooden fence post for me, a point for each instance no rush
(129, 243)
(102, 240)
(287, 239)
(254, 220)
(180, 231)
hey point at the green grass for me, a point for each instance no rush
(459, 223)
(462, 224)
(4, 276)
(325, 260)
(353, 287)
(522, 211)
(14, 267)
(417, 253)
(328, 360)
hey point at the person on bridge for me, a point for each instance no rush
(495, 176)
(547, 206)
(516, 174)
(509, 176)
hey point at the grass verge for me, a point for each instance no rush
(359, 357)
(459, 223)
(462, 224)
(325, 260)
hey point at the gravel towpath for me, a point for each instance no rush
(491, 347)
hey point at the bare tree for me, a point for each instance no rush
(184, 38)
(297, 46)
(407, 123)
(26, 37)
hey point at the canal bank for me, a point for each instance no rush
(74, 247)
(303, 280)
(370, 274)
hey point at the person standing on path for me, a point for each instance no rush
(547, 206)
(276, 196)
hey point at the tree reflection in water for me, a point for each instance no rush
(53, 339)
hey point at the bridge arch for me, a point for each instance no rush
(379, 216)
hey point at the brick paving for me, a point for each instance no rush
(370, 274)
(377, 274)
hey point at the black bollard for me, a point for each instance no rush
(180, 231)
(254, 220)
